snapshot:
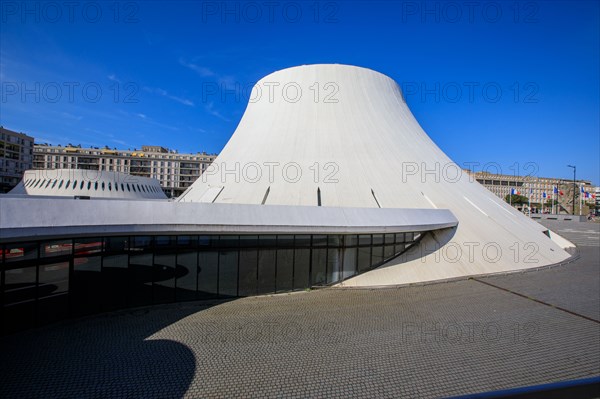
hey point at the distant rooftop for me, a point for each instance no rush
(154, 149)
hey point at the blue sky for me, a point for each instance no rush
(507, 83)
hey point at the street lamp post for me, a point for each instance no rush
(574, 184)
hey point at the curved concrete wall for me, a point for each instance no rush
(88, 183)
(355, 143)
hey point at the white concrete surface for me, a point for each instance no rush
(53, 217)
(68, 183)
(355, 141)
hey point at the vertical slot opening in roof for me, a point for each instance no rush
(375, 198)
(266, 195)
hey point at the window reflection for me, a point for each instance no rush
(105, 273)
(56, 248)
(20, 284)
(228, 268)
(20, 251)
(285, 268)
(248, 278)
(301, 268)
(266, 271)
(319, 267)
(186, 269)
(208, 274)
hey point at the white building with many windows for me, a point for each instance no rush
(16, 156)
(175, 172)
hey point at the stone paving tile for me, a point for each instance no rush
(573, 286)
(428, 341)
(421, 341)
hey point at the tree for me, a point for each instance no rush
(516, 199)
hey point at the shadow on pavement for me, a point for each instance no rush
(106, 355)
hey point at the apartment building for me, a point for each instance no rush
(532, 187)
(16, 155)
(175, 171)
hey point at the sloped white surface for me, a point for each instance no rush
(53, 182)
(373, 142)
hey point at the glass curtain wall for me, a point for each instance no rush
(43, 281)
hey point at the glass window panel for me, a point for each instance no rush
(88, 264)
(165, 243)
(388, 251)
(204, 241)
(351, 241)
(228, 241)
(248, 241)
(410, 237)
(319, 240)
(248, 272)
(140, 244)
(268, 241)
(140, 278)
(208, 273)
(164, 276)
(399, 248)
(333, 265)
(56, 248)
(87, 246)
(116, 244)
(115, 281)
(399, 237)
(53, 279)
(350, 260)
(20, 251)
(116, 262)
(285, 270)
(319, 266)
(301, 268)
(19, 284)
(302, 241)
(334, 240)
(186, 272)
(364, 239)
(364, 259)
(376, 255)
(266, 271)
(389, 238)
(228, 273)
(285, 241)
(377, 239)
(86, 285)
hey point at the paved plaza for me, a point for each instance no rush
(431, 340)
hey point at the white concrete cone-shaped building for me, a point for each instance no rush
(343, 136)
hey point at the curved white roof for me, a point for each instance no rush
(88, 183)
(53, 217)
(342, 136)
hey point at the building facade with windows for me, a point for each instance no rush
(531, 187)
(16, 156)
(175, 172)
